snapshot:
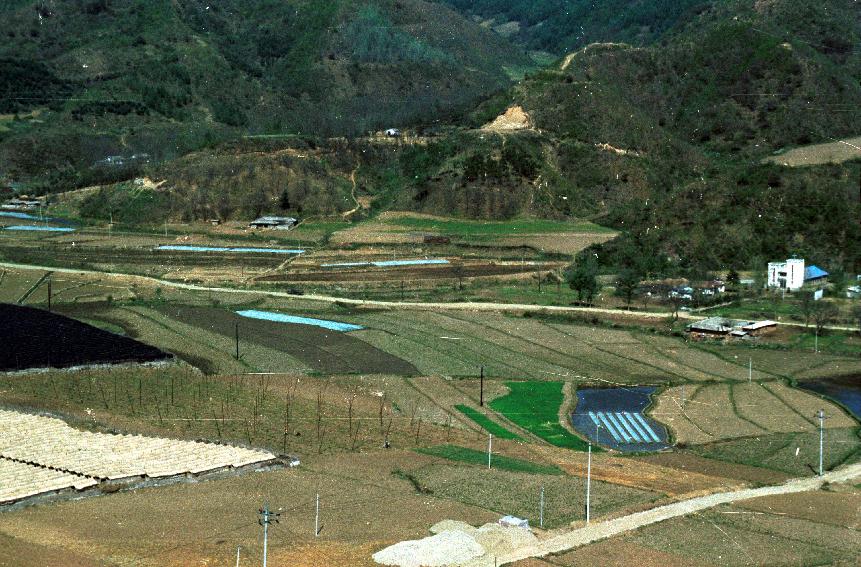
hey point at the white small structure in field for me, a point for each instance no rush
(786, 275)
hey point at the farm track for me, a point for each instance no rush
(34, 287)
(413, 305)
(606, 529)
(418, 305)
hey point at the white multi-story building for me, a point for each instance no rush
(786, 275)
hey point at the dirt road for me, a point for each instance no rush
(602, 530)
(453, 306)
(412, 305)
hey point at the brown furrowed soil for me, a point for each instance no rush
(639, 474)
(363, 508)
(617, 552)
(702, 414)
(696, 464)
(406, 273)
(838, 509)
(327, 351)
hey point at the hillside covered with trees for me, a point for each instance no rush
(673, 139)
(86, 79)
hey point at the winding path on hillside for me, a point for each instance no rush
(609, 528)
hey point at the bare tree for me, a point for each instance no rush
(807, 305)
(823, 314)
(676, 302)
(321, 429)
(856, 313)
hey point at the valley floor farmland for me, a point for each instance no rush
(409, 379)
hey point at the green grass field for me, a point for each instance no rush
(501, 462)
(534, 406)
(486, 423)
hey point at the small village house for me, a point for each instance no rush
(722, 327)
(278, 223)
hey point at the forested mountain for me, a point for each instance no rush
(663, 131)
(561, 26)
(85, 79)
(666, 142)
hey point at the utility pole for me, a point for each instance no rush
(489, 448)
(821, 415)
(237, 341)
(266, 518)
(541, 509)
(481, 388)
(588, 482)
(750, 370)
(238, 547)
(317, 517)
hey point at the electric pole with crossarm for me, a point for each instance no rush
(266, 518)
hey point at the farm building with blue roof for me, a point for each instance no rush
(814, 274)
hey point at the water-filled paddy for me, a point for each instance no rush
(614, 418)
(844, 389)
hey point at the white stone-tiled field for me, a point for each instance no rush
(40, 454)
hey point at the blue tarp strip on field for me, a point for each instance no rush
(182, 248)
(282, 318)
(385, 263)
(40, 228)
(14, 215)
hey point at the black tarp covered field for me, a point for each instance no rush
(34, 338)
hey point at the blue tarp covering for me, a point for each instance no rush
(40, 228)
(814, 273)
(282, 318)
(15, 215)
(224, 249)
(384, 264)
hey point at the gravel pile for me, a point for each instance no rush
(446, 548)
(456, 543)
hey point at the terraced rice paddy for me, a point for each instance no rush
(285, 345)
(41, 454)
(613, 418)
(713, 412)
